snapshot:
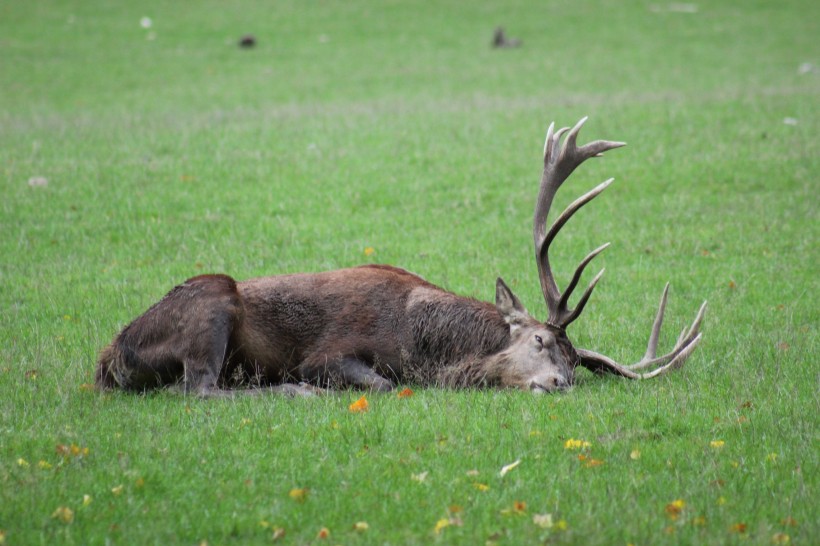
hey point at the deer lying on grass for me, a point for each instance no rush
(374, 326)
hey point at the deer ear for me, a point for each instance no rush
(509, 306)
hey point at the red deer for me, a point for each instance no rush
(375, 326)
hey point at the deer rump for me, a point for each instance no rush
(367, 327)
(376, 325)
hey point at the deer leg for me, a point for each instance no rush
(346, 371)
(207, 351)
(356, 373)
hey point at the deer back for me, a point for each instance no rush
(400, 324)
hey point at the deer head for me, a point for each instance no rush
(541, 357)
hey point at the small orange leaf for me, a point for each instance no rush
(359, 405)
(323, 533)
(738, 528)
(406, 393)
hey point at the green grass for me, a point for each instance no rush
(394, 126)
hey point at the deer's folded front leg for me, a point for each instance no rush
(342, 372)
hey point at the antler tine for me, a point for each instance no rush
(675, 358)
(599, 363)
(686, 337)
(577, 276)
(558, 165)
(575, 313)
(652, 346)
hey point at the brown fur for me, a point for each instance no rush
(370, 326)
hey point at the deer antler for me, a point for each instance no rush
(557, 168)
(687, 341)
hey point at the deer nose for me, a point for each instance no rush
(549, 384)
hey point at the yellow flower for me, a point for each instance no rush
(635, 455)
(361, 526)
(674, 508)
(22, 462)
(440, 525)
(572, 443)
(369, 251)
(359, 405)
(481, 486)
(45, 465)
(64, 514)
(299, 494)
(561, 525)
(117, 490)
(717, 444)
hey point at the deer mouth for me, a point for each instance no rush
(551, 385)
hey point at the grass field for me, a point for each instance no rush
(167, 151)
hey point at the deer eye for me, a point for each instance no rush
(539, 340)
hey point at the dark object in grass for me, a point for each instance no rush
(247, 41)
(374, 326)
(501, 40)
